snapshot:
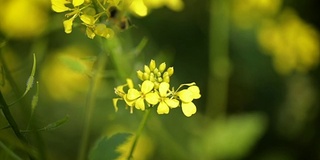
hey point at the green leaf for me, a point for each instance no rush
(105, 148)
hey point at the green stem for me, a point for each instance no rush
(10, 119)
(219, 61)
(90, 103)
(12, 122)
(138, 133)
(12, 154)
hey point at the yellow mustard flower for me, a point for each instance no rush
(155, 89)
(165, 100)
(186, 96)
(145, 94)
(293, 44)
(142, 7)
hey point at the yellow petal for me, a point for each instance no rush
(77, 2)
(140, 104)
(152, 98)
(147, 86)
(115, 101)
(163, 89)
(68, 25)
(59, 5)
(188, 109)
(130, 83)
(195, 92)
(128, 102)
(172, 103)
(87, 19)
(162, 108)
(133, 94)
(90, 33)
(185, 96)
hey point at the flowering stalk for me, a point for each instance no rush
(138, 133)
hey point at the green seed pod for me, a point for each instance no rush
(152, 65)
(162, 67)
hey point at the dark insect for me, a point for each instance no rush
(118, 18)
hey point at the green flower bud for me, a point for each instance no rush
(162, 67)
(140, 75)
(152, 65)
(160, 79)
(170, 71)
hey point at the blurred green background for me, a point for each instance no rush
(255, 61)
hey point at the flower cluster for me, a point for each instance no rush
(155, 91)
(90, 15)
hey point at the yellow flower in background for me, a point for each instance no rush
(65, 74)
(23, 18)
(293, 44)
(246, 13)
(143, 7)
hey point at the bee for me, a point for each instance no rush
(118, 18)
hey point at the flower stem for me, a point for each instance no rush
(138, 133)
(11, 121)
(220, 65)
(90, 103)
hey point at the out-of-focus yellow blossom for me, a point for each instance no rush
(143, 7)
(64, 74)
(155, 89)
(246, 13)
(89, 15)
(293, 44)
(23, 19)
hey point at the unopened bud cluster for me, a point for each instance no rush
(154, 74)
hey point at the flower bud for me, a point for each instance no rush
(145, 76)
(140, 75)
(170, 71)
(162, 67)
(166, 79)
(151, 77)
(152, 65)
(146, 69)
(160, 79)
